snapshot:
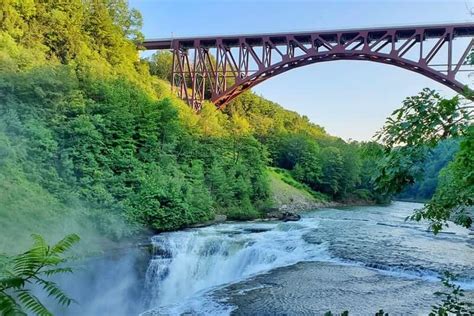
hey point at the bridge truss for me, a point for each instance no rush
(222, 67)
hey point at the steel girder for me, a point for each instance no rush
(222, 67)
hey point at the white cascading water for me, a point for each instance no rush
(188, 263)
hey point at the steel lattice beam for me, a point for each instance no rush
(222, 67)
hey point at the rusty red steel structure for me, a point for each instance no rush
(220, 68)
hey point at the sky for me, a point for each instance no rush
(350, 99)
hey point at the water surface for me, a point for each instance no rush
(357, 258)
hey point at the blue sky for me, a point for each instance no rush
(351, 99)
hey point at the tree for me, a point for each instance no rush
(351, 164)
(436, 159)
(332, 170)
(409, 133)
(370, 155)
(161, 65)
(454, 196)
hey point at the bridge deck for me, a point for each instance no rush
(402, 32)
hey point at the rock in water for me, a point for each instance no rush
(290, 217)
(285, 216)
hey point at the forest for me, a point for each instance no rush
(93, 141)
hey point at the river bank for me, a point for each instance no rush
(287, 199)
(281, 212)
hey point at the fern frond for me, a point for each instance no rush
(32, 303)
(9, 307)
(12, 282)
(65, 244)
(24, 264)
(39, 241)
(57, 271)
(53, 290)
(29, 267)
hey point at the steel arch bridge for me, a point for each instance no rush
(220, 68)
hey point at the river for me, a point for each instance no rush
(360, 259)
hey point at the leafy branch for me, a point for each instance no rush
(425, 119)
(421, 122)
(451, 301)
(18, 273)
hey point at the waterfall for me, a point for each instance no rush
(188, 268)
(189, 263)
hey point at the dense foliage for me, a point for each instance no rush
(121, 154)
(33, 268)
(436, 159)
(423, 121)
(327, 164)
(89, 132)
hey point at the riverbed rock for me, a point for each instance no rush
(290, 217)
(285, 216)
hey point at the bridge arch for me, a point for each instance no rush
(220, 68)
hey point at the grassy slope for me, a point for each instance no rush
(284, 191)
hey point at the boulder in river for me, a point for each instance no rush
(290, 217)
(285, 216)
